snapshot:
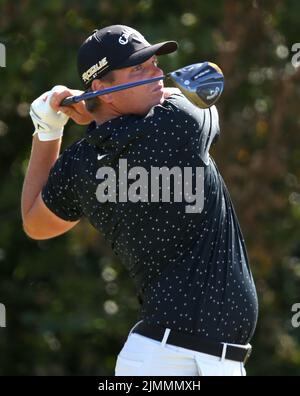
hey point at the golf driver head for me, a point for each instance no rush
(201, 83)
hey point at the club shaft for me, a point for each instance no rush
(89, 95)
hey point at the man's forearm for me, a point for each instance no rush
(43, 157)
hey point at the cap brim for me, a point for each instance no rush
(144, 54)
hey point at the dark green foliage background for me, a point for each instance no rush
(68, 301)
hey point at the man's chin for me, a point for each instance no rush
(160, 99)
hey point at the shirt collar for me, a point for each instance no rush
(115, 134)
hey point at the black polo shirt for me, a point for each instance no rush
(191, 269)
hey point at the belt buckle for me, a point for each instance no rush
(248, 353)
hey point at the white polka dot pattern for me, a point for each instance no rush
(191, 270)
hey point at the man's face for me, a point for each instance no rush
(138, 100)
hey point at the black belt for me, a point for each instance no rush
(190, 341)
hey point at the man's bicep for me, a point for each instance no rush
(42, 223)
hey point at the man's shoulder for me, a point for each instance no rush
(73, 155)
(180, 101)
(175, 103)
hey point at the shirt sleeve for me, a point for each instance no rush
(58, 194)
(202, 125)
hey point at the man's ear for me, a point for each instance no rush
(99, 85)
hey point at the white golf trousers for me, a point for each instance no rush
(142, 356)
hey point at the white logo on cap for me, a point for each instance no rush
(94, 70)
(124, 38)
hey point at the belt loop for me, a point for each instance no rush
(248, 353)
(135, 326)
(165, 338)
(223, 352)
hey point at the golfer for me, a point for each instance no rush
(190, 266)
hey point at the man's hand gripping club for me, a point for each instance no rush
(49, 118)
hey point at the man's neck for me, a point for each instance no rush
(103, 116)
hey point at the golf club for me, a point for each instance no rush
(201, 83)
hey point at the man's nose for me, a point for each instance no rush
(156, 71)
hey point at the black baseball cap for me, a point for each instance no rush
(115, 47)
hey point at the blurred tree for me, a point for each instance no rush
(64, 296)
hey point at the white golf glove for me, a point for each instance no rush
(49, 124)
